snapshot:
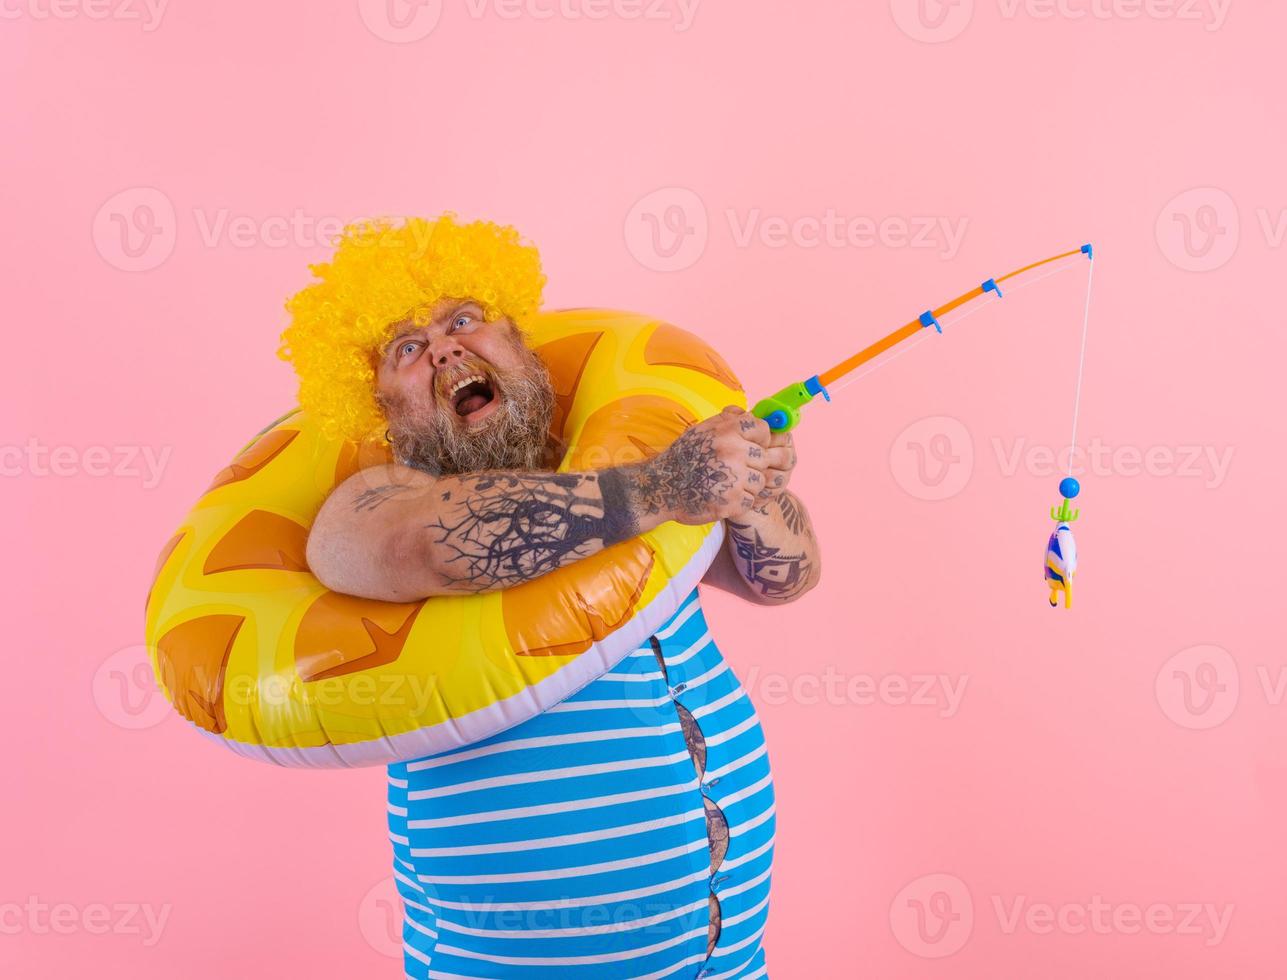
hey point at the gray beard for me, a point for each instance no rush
(516, 436)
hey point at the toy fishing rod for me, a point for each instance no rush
(782, 410)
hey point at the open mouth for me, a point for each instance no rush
(469, 396)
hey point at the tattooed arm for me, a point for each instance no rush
(395, 533)
(771, 554)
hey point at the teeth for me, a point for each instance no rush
(464, 381)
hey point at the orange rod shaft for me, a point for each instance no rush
(915, 327)
(865, 355)
(1029, 268)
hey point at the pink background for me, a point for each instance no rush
(1126, 752)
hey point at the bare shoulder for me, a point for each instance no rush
(358, 535)
(370, 498)
(366, 490)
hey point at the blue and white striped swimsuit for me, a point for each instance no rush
(576, 845)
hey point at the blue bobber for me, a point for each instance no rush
(1069, 488)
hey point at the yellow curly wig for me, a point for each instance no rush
(383, 272)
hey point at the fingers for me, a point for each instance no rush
(782, 439)
(777, 480)
(762, 463)
(770, 458)
(753, 429)
(757, 457)
(779, 457)
(781, 451)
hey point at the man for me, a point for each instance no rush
(577, 844)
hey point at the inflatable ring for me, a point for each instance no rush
(263, 658)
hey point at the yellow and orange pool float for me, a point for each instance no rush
(263, 658)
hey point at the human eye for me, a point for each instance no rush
(462, 320)
(407, 348)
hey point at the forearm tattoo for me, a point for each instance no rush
(792, 513)
(775, 574)
(510, 527)
(681, 479)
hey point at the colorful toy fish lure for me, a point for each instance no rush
(1061, 551)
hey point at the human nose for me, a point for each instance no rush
(444, 351)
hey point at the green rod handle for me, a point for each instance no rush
(782, 410)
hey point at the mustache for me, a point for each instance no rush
(442, 384)
(429, 437)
